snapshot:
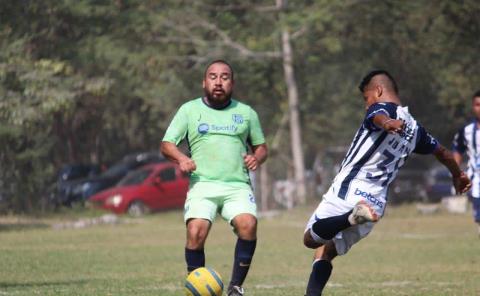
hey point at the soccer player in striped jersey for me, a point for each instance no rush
(358, 195)
(467, 140)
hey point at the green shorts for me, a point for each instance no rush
(205, 199)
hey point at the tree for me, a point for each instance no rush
(293, 107)
(90, 81)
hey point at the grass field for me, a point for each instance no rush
(406, 254)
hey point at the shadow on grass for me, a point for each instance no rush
(22, 226)
(41, 284)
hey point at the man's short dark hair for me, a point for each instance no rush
(218, 62)
(476, 94)
(366, 80)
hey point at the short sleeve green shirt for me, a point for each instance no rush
(217, 139)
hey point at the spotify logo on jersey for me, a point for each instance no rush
(203, 128)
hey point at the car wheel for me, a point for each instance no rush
(137, 209)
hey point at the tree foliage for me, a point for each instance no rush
(91, 80)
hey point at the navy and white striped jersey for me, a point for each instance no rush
(467, 140)
(375, 156)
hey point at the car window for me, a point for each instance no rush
(167, 174)
(130, 163)
(116, 170)
(135, 177)
(71, 172)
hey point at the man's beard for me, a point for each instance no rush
(218, 99)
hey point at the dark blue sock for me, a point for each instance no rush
(243, 257)
(194, 258)
(327, 228)
(321, 272)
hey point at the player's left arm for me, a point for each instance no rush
(461, 182)
(256, 141)
(458, 157)
(390, 125)
(459, 145)
(260, 154)
(381, 116)
(426, 144)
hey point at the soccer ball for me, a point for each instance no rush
(204, 282)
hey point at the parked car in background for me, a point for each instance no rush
(425, 185)
(150, 188)
(67, 175)
(77, 171)
(439, 184)
(79, 190)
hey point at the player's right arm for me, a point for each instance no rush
(176, 132)
(171, 151)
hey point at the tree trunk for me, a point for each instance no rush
(95, 151)
(295, 128)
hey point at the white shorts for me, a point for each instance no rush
(333, 206)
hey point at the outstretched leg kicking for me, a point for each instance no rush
(320, 235)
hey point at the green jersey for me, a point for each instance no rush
(217, 139)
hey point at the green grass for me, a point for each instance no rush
(406, 254)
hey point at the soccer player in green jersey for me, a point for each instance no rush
(219, 130)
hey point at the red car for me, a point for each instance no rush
(149, 188)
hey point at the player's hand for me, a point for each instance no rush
(393, 126)
(251, 162)
(462, 183)
(187, 165)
